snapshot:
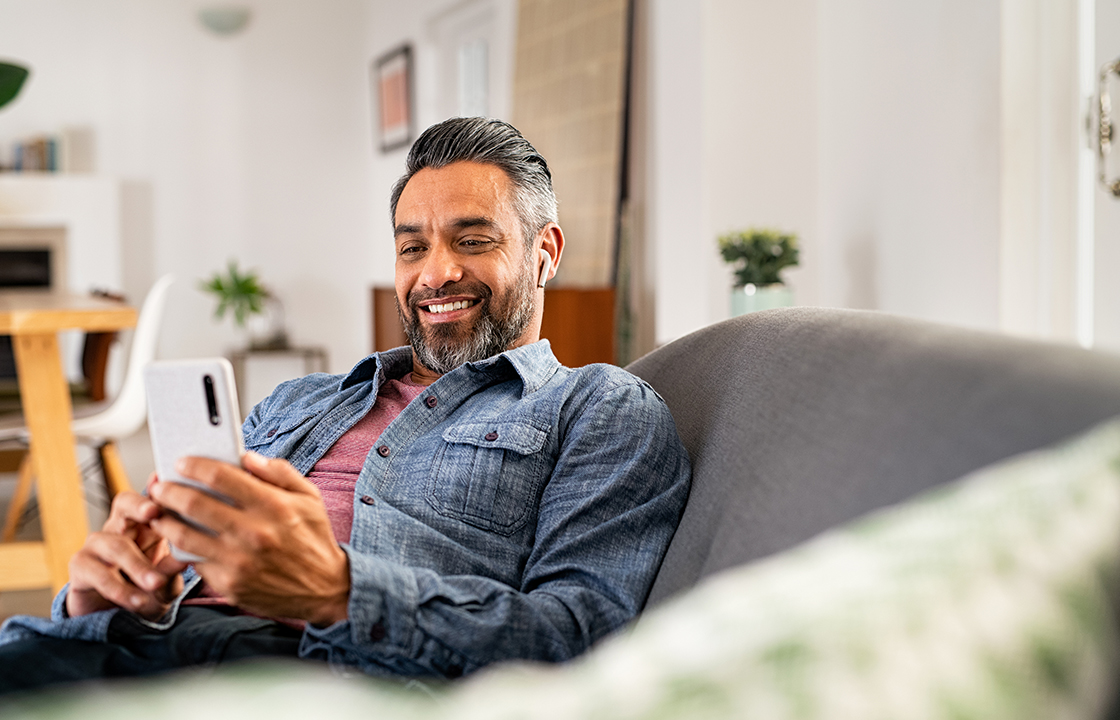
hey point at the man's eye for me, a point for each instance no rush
(474, 242)
(410, 249)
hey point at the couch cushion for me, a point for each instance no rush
(798, 420)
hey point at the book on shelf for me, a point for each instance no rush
(71, 151)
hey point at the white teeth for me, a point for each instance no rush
(448, 307)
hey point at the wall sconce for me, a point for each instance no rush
(225, 19)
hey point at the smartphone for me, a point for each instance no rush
(192, 410)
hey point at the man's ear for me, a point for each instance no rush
(552, 243)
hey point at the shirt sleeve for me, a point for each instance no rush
(607, 514)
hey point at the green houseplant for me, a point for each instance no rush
(244, 296)
(758, 256)
(11, 80)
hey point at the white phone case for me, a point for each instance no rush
(192, 410)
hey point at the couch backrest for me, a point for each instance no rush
(799, 419)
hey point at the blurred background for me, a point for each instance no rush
(934, 158)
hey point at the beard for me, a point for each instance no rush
(445, 346)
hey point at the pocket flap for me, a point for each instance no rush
(519, 437)
(267, 432)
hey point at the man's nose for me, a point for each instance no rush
(440, 268)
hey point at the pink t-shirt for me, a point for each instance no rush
(337, 472)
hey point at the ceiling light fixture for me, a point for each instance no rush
(225, 19)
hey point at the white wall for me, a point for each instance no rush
(675, 218)
(869, 127)
(427, 25)
(1043, 160)
(253, 147)
(908, 100)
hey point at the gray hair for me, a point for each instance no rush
(486, 140)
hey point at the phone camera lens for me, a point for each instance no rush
(211, 400)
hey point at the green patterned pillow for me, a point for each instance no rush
(994, 597)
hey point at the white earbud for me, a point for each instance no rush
(546, 266)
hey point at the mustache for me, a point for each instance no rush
(467, 287)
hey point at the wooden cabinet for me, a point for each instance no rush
(580, 325)
(578, 322)
(387, 330)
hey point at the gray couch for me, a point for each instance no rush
(830, 414)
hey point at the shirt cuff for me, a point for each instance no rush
(381, 614)
(168, 619)
(58, 605)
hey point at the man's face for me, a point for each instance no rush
(464, 276)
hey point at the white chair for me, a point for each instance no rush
(123, 417)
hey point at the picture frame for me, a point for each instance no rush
(393, 98)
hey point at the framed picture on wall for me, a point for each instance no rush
(392, 93)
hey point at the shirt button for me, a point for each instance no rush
(377, 632)
(491, 436)
(367, 500)
(431, 401)
(271, 432)
(383, 451)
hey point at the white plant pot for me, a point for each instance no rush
(265, 330)
(753, 298)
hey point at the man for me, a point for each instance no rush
(467, 499)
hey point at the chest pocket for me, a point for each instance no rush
(487, 474)
(279, 432)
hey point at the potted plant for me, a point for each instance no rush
(758, 256)
(255, 311)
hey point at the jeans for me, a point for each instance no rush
(201, 636)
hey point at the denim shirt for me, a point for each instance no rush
(516, 509)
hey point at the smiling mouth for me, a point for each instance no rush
(438, 309)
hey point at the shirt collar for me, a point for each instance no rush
(389, 364)
(533, 363)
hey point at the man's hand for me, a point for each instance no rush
(126, 565)
(274, 553)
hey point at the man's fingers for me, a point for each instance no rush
(244, 486)
(170, 567)
(116, 551)
(186, 538)
(130, 508)
(277, 472)
(90, 574)
(238, 484)
(195, 505)
(219, 477)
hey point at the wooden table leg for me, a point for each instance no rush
(47, 412)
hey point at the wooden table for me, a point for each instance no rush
(34, 319)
